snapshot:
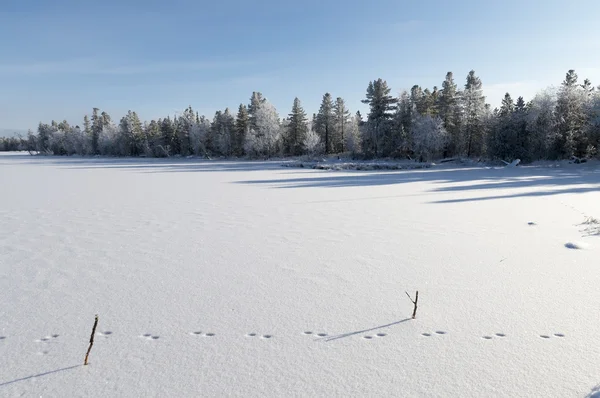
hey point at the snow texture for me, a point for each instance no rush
(247, 279)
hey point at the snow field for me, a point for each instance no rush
(249, 279)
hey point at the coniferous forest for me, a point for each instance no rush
(423, 124)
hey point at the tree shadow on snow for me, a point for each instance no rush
(456, 182)
(39, 375)
(595, 393)
(349, 334)
(151, 165)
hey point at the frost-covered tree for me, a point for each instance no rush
(185, 124)
(341, 116)
(296, 130)
(540, 123)
(570, 138)
(381, 111)
(593, 126)
(312, 142)
(352, 138)
(429, 137)
(448, 107)
(131, 135)
(110, 142)
(325, 122)
(227, 133)
(401, 139)
(256, 100)
(263, 139)
(473, 102)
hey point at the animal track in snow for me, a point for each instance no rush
(547, 336)
(2, 338)
(367, 337)
(251, 334)
(46, 338)
(199, 333)
(487, 337)
(531, 223)
(266, 336)
(322, 334)
(105, 333)
(440, 332)
(571, 245)
(381, 334)
(308, 332)
(149, 336)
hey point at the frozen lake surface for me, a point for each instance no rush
(249, 279)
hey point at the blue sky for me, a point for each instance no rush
(59, 59)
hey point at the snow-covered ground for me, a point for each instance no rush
(250, 279)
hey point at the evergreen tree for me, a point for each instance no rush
(227, 133)
(474, 108)
(541, 125)
(263, 139)
(522, 139)
(448, 110)
(325, 122)
(86, 125)
(242, 126)
(213, 137)
(569, 138)
(296, 129)
(256, 101)
(168, 137)
(96, 130)
(381, 108)
(341, 121)
(131, 134)
(403, 125)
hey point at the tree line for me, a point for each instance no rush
(419, 124)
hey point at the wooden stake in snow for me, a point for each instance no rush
(414, 315)
(85, 362)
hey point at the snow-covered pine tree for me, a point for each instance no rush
(256, 100)
(448, 110)
(570, 118)
(473, 102)
(263, 139)
(403, 126)
(341, 121)
(130, 131)
(541, 124)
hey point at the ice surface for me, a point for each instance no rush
(248, 279)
